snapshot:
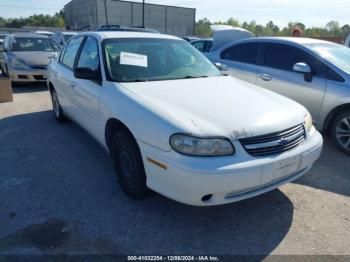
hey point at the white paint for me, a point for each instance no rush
(204, 107)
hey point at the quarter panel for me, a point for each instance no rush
(337, 94)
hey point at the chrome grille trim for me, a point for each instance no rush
(275, 143)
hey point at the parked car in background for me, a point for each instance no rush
(118, 28)
(174, 123)
(203, 45)
(24, 57)
(62, 37)
(312, 72)
(46, 33)
(222, 34)
(190, 38)
(2, 37)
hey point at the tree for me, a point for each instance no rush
(203, 27)
(334, 29)
(346, 30)
(35, 20)
(233, 22)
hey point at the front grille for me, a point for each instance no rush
(275, 143)
(39, 77)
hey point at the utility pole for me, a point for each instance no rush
(143, 13)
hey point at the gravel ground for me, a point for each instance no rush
(59, 195)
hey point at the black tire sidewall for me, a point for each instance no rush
(60, 118)
(124, 141)
(335, 122)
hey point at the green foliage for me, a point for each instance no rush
(34, 20)
(332, 28)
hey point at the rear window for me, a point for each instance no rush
(244, 53)
(30, 44)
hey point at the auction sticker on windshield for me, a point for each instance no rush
(133, 59)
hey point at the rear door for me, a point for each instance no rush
(63, 77)
(241, 60)
(276, 74)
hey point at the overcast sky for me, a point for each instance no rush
(309, 12)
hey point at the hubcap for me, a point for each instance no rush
(126, 164)
(56, 105)
(343, 132)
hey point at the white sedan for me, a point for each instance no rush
(173, 123)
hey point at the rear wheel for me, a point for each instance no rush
(341, 131)
(128, 165)
(57, 110)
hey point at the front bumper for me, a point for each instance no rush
(227, 179)
(27, 75)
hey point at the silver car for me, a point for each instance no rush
(312, 72)
(62, 38)
(24, 57)
(203, 45)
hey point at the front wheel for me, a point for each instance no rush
(341, 131)
(128, 165)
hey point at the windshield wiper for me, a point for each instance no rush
(135, 80)
(189, 77)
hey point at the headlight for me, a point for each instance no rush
(195, 146)
(308, 122)
(18, 64)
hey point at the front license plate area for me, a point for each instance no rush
(286, 167)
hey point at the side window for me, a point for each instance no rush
(244, 53)
(71, 51)
(208, 46)
(89, 55)
(283, 57)
(199, 45)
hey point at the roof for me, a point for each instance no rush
(296, 40)
(43, 32)
(29, 35)
(123, 34)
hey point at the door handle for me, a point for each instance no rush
(72, 85)
(265, 77)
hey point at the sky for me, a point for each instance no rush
(309, 12)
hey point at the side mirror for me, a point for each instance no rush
(302, 68)
(305, 69)
(221, 67)
(87, 73)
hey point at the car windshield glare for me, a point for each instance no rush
(136, 59)
(30, 44)
(337, 54)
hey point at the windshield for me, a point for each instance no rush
(29, 44)
(130, 60)
(337, 54)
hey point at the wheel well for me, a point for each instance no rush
(113, 125)
(51, 87)
(333, 113)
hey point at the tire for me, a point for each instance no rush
(340, 131)
(57, 109)
(128, 165)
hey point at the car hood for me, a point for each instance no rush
(35, 58)
(220, 106)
